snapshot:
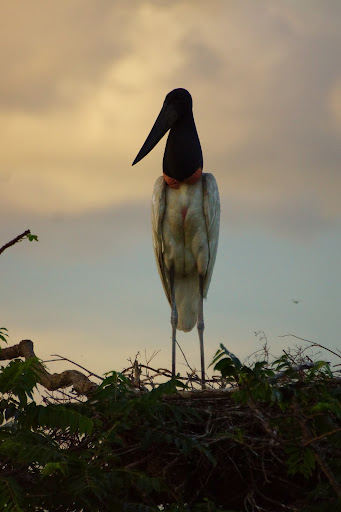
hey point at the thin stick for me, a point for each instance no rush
(62, 358)
(305, 443)
(182, 352)
(15, 240)
(313, 344)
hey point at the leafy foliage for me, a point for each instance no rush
(271, 439)
(3, 334)
(32, 237)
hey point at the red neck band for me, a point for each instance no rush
(191, 180)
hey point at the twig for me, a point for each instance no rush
(62, 358)
(160, 371)
(305, 443)
(313, 344)
(15, 240)
(275, 502)
(154, 354)
(182, 352)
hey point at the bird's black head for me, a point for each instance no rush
(183, 153)
(180, 100)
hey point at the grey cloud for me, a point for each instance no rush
(264, 71)
(202, 62)
(291, 148)
(45, 46)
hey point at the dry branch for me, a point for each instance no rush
(81, 384)
(15, 240)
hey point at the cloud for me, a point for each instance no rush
(334, 104)
(83, 86)
(50, 51)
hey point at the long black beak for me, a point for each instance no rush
(163, 123)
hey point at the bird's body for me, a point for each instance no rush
(185, 217)
(183, 224)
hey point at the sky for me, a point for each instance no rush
(82, 83)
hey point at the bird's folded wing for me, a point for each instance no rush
(158, 210)
(212, 217)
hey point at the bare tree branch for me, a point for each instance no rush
(81, 384)
(62, 358)
(15, 240)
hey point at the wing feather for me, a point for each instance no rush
(158, 210)
(212, 217)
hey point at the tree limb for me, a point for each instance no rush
(15, 240)
(82, 384)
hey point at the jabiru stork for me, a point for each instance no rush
(185, 217)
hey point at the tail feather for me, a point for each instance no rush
(187, 301)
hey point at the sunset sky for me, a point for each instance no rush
(81, 85)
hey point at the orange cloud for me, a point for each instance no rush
(81, 94)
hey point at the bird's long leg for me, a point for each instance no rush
(201, 327)
(174, 319)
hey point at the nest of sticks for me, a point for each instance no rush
(228, 452)
(247, 466)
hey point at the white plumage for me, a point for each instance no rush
(185, 226)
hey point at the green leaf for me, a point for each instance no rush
(32, 238)
(3, 334)
(226, 368)
(11, 495)
(52, 468)
(19, 378)
(332, 406)
(301, 460)
(164, 389)
(276, 395)
(234, 359)
(63, 417)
